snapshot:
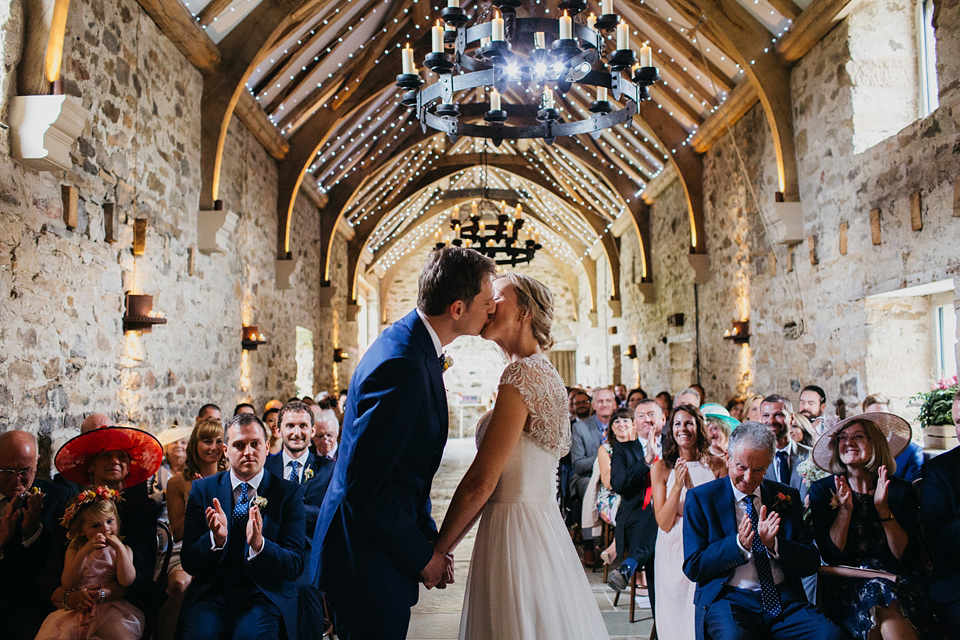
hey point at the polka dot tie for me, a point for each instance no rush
(294, 471)
(768, 590)
(241, 509)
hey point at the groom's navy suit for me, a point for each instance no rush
(374, 525)
(711, 555)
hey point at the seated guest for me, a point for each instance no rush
(776, 412)
(635, 396)
(665, 401)
(122, 459)
(174, 442)
(746, 548)
(91, 422)
(719, 426)
(688, 396)
(587, 435)
(243, 543)
(686, 463)
(910, 460)
(209, 411)
(204, 458)
(326, 435)
(270, 419)
(620, 391)
(736, 407)
(244, 407)
(622, 429)
(31, 538)
(801, 432)
(649, 419)
(865, 517)
(813, 400)
(752, 408)
(940, 514)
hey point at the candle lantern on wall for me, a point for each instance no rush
(251, 338)
(740, 333)
(140, 315)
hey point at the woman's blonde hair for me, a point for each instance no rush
(534, 298)
(880, 450)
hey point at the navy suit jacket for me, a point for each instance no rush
(940, 513)
(375, 522)
(630, 478)
(313, 489)
(280, 562)
(710, 549)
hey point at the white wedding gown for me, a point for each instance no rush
(525, 578)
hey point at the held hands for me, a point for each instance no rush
(255, 529)
(217, 522)
(82, 600)
(439, 571)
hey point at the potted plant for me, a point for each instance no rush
(936, 415)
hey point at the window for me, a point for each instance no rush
(927, 58)
(945, 329)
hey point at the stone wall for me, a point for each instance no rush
(63, 353)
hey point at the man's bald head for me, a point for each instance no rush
(94, 421)
(18, 453)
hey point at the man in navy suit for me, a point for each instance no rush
(32, 542)
(940, 514)
(243, 543)
(745, 546)
(776, 412)
(299, 465)
(375, 525)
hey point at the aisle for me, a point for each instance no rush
(437, 615)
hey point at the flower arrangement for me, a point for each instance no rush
(937, 404)
(261, 502)
(87, 497)
(810, 472)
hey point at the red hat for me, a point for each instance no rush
(74, 457)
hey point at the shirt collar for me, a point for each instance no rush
(287, 458)
(739, 495)
(433, 334)
(789, 448)
(253, 482)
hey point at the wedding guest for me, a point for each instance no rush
(802, 432)
(719, 424)
(776, 412)
(746, 548)
(813, 400)
(326, 438)
(665, 401)
(735, 406)
(689, 396)
(122, 459)
(700, 392)
(209, 411)
(649, 420)
(620, 391)
(270, 420)
(863, 516)
(634, 397)
(910, 460)
(174, 442)
(244, 407)
(244, 536)
(752, 405)
(586, 438)
(31, 538)
(940, 514)
(622, 429)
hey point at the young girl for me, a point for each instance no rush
(97, 567)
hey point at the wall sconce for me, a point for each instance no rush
(250, 338)
(339, 355)
(140, 315)
(740, 333)
(632, 352)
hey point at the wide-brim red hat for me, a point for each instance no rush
(146, 454)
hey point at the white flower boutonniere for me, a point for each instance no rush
(307, 474)
(261, 503)
(447, 362)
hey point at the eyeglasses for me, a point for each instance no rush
(23, 473)
(858, 438)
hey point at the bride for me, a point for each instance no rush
(525, 579)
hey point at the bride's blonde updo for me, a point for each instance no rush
(534, 298)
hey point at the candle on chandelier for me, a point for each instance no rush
(566, 26)
(497, 28)
(606, 7)
(494, 100)
(482, 225)
(474, 208)
(455, 3)
(509, 227)
(437, 33)
(548, 98)
(646, 56)
(518, 214)
(503, 208)
(456, 213)
(623, 36)
(592, 22)
(489, 243)
(409, 66)
(601, 94)
(540, 40)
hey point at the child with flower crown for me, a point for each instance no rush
(98, 566)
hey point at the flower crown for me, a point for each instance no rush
(88, 497)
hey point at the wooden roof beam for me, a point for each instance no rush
(811, 26)
(175, 21)
(738, 103)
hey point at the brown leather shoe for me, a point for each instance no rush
(589, 558)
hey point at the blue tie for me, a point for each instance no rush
(783, 466)
(295, 471)
(241, 509)
(768, 590)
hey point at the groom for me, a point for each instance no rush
(374, 526)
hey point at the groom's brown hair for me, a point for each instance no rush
(451, 274)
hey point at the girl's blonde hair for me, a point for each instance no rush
(101, 508)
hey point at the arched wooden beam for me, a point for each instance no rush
(736, 30)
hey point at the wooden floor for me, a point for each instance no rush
(437, 615)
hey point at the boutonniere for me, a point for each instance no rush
(261, 502)
(447, 362)
(307, 474)
(782, 501)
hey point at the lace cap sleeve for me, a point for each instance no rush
(545, 397)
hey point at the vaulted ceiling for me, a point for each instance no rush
(314, 81)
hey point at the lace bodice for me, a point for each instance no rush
(545, 397)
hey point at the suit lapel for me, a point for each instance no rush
(728, 516)
(421, 336)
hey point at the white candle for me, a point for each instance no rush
(437, 33)
(456, 3)
(606, 7)
(497, 32)
(494, 100)
(503, 208)
(646, 56)
(547, 98)
(456, 213)
(602, 94)
(623, 36)
(408, 65)
(592, 22)
(566, 27)
(519, 213)
(473, 209)
(540, 40)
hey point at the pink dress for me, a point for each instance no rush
(114, 620)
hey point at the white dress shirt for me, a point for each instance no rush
(433, 334)
(235, 482)
(745, 576)
(288, 464)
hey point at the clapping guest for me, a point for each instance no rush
(244, 536)
(622, 429)
(649, 420)
(865, 517)
(910, 460)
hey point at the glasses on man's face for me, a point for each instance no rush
(23, 473)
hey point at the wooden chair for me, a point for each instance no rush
(164, 553)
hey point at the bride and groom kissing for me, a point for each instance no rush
(375, 539)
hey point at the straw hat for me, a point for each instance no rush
(74, 457)
(719, 413)
(173, 434)
(896, 430)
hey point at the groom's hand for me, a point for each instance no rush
(433, 574)
(448, 571)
